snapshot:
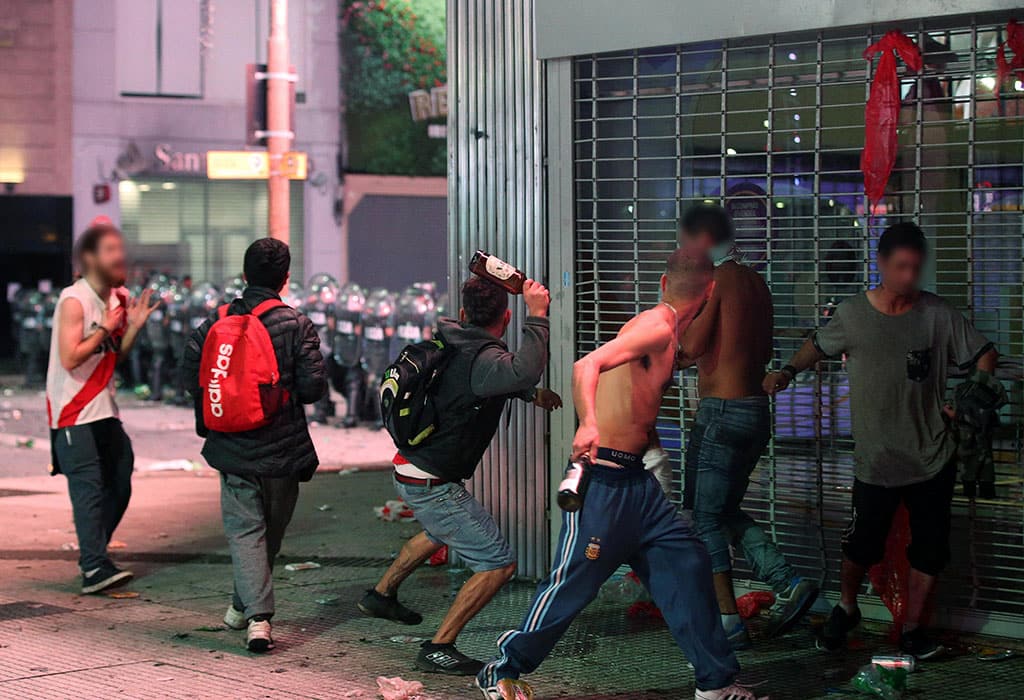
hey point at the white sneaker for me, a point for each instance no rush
(234, 618)
(733, 692)
(507, 689)
(257, 637)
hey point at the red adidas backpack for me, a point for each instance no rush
(238, 373)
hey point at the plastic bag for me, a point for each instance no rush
(751, 604)
(880, 682)
(393, 511)
(1006, 67)
(882, 112)
(624, 589)
(398, 688)
(890, 578)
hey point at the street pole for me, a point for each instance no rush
(279, 130)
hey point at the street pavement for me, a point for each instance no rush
(167, 641)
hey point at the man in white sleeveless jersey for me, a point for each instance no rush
(94, 323)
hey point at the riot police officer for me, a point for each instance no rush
(413, 319)
(319, 307)
(158, 337)
(294, 295)
(177, 313)
(139, 361)
(202, 303)
(30, 337)
(233, 289)
(378, 330)
(345, 364)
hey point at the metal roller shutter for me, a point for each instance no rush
(772, 128)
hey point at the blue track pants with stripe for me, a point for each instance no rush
(625, 519)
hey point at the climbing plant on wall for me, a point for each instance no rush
(390, 48)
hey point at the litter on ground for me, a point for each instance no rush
(398, 688)
(393, 511)
(301, 566)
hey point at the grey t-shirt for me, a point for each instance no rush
(897, 367)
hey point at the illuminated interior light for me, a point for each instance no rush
(792, 55)
(831, 202)
(169, 186)
(766, 123)
(730, 151)
(990, 83)
(779, 205)
(144, 188)
(1018, 85)
(125, 186)
(12, 177)
(796, 139)
(796, 117)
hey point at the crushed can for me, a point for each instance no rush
(896, 661)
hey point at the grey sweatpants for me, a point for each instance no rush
(256, 512)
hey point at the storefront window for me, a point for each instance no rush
(200, 228)
(772, 128)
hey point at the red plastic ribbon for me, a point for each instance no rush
(882, 112)
(1015, 42)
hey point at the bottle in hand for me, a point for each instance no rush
(573, 488)
(498, 271)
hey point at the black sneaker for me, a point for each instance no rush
(376, 605)
(445, 658)
(833, 634)
(105, 577)
(919, 644)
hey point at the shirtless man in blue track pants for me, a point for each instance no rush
(626, 518)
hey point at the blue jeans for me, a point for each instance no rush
(450, 515)
(722, 451)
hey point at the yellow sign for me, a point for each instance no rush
(293, 165)
(253, 165)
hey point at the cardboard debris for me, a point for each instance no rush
(302, 566)
(399, 689)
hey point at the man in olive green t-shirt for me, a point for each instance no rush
(898, 342)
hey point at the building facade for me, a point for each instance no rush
(160, 83)
(645, 108)
(35, 148)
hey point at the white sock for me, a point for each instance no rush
(730, 621)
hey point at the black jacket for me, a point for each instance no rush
(282, 448)
(472, 392)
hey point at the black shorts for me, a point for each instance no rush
(929, 505)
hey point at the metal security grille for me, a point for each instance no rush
(771, 128)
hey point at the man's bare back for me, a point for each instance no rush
(629, 395)
(732, 340)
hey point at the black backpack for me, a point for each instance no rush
(407, 392)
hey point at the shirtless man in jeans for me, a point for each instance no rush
(731, 342)
(626, 518)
